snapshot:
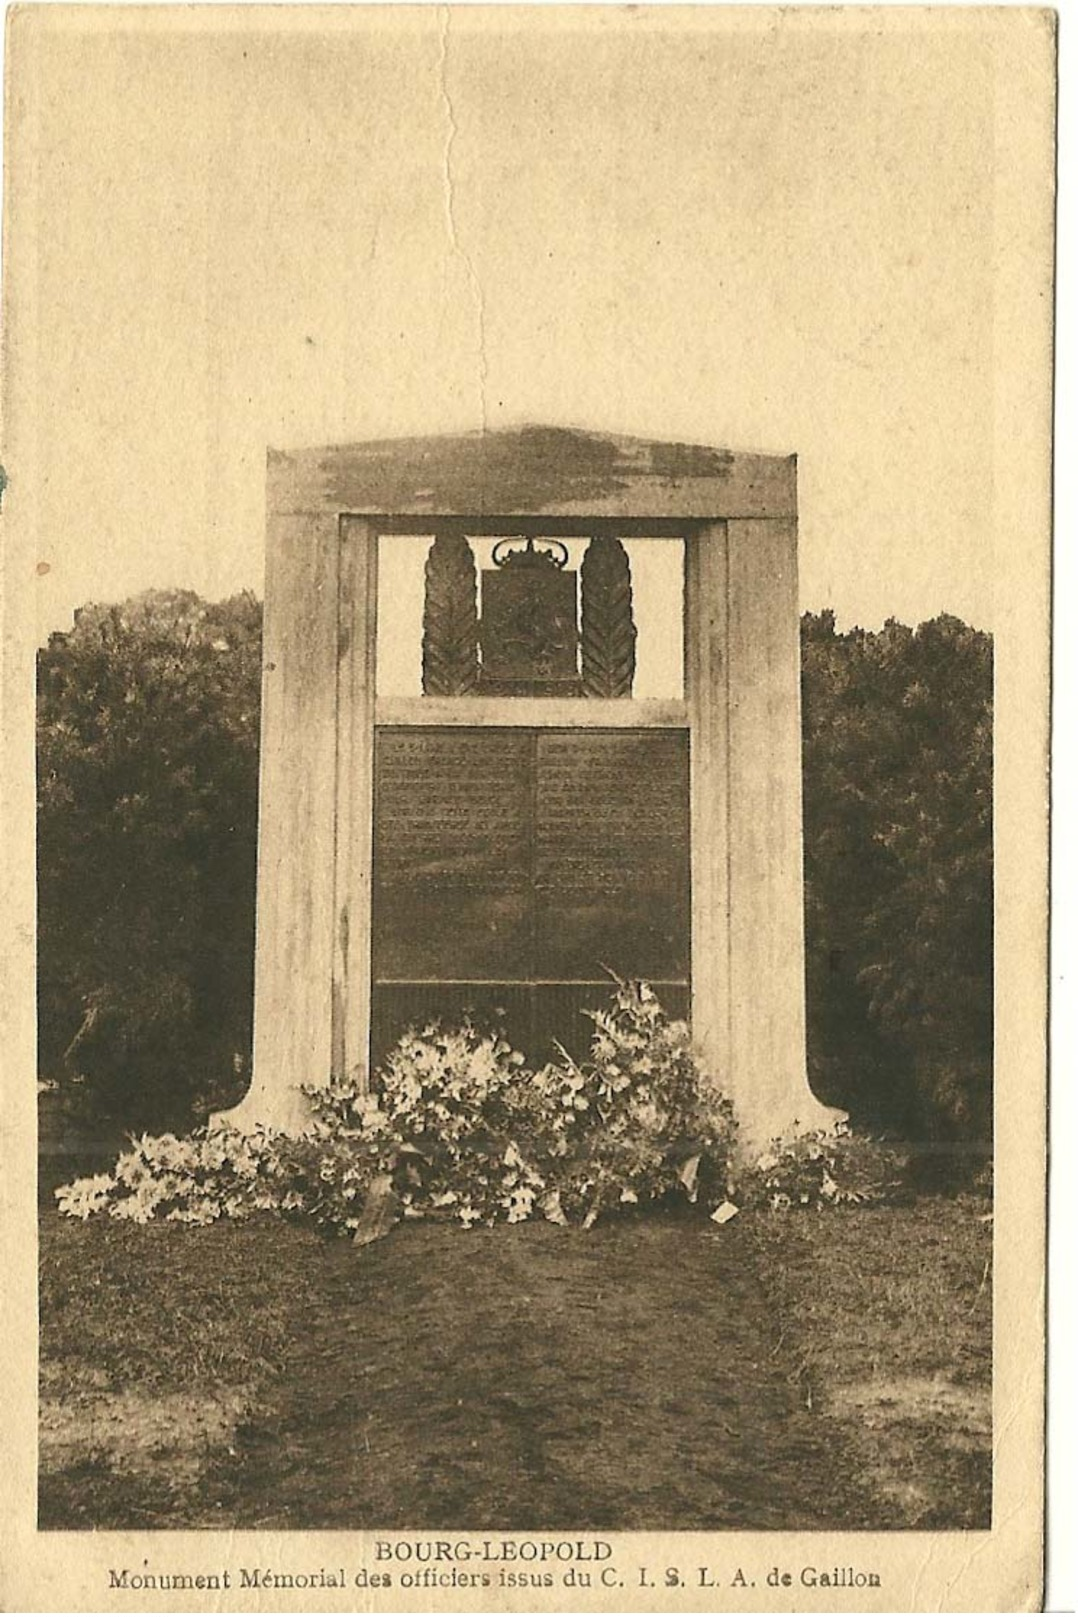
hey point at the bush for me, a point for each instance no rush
(147, 752)
(898, 877)
(458, 1128)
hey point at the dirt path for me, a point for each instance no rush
(537, 1378)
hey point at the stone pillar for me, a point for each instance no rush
(707, 679)
(748, 905)
(294, 947)
(353, 854)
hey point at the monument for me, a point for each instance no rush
(529, 777)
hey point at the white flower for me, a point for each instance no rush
(199, 1211)
(214, 1152)
(519, 1203)
(84, 1196)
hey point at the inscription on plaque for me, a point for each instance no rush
(612, 853)
(452, 861)
(512, 866)
(452, 805)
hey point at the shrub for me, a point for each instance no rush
(898, 877)
(147, 753)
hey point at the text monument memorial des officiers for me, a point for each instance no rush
(531, 716)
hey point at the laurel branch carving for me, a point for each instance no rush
(450, 618)
(608, 633)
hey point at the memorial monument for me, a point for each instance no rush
(531, 715)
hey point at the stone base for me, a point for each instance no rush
(286, 1112)
(758, 1132)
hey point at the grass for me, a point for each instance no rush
(159, 1306)
(891, 1313)
(784, 1371)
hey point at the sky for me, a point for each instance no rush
(755, 232)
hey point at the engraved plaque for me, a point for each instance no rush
(612, 854)
(511, 866)
(452, 861)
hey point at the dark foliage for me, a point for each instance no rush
(147, 758)
(898, 865)
(147, 803)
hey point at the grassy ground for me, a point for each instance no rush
(783, 1371)
(889, 1313)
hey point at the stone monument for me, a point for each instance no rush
(524, 820)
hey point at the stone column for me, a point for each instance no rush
(706, 677)
(295, 942)
(357, 632)
(748, 890)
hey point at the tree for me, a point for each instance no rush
(147, 810)
(898, 858)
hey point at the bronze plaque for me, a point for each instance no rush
(512, 866)
(612, 854)
(452, 855)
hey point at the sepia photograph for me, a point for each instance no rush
(527, 541)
